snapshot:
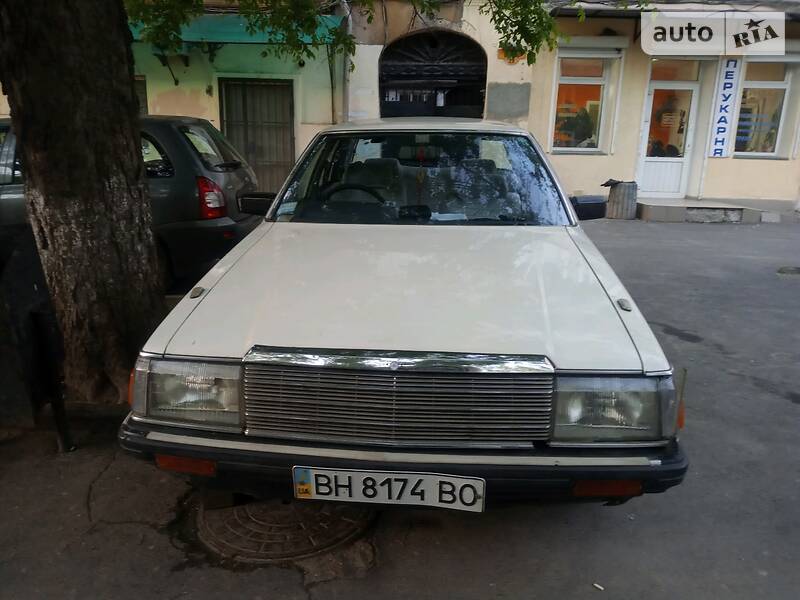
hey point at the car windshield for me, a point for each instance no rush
(429, 178)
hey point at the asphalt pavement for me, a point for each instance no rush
(98, 524)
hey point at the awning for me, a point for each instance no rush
(232, 29)
(622, 10)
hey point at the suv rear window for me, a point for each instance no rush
(213, 149)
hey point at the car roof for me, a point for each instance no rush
(425, 124)
(144, 119)
(170, 118)
(395, 123)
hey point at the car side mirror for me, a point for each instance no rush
(589, 207)
(256, 203)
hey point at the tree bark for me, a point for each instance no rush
(67, 69)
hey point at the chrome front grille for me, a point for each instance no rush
(385, 404)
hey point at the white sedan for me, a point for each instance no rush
(418, 320)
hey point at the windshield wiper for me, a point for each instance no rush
(516, 220)
(499, 220)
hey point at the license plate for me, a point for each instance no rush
(389, 487)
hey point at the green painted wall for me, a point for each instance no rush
(197, 92)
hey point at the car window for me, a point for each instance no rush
(431, 178)
(156, 162)
(5, 171)
(10, 163)
(213, 149)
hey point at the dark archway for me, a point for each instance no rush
(433, 73)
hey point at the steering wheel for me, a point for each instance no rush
(338, 187)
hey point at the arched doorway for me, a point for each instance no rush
(433, 73)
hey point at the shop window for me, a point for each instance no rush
(582, 67)
(580, 103)
(765, 71)
(761, 109)
(674, 70)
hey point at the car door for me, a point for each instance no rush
(12, 190)
(160, 174)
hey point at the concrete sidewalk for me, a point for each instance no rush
(750, 212)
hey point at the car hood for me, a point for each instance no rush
(474, 289)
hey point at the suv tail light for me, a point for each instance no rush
(212, 200)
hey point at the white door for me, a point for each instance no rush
(667, 138)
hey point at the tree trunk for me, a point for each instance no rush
(67, 69)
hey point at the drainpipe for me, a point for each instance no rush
(332, 77)
(346, 66)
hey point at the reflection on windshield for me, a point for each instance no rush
(423, 178)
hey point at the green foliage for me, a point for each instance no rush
(525, 26)
(294, 25)
(162, 19)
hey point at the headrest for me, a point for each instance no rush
(419, 153)
(478, 165)
(374, 172)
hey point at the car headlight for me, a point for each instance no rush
(185, 391)
(606, 409)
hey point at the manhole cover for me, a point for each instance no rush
(789, 271)
(271, 530)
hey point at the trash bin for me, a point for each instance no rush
(621, 199)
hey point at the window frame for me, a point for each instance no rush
(770, 85)
(606, 56)
(151, 139)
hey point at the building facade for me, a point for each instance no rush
(600, 106)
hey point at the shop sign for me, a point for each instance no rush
(722, 132)
(718, 33)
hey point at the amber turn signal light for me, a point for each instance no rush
(190, 466)
(604, 488)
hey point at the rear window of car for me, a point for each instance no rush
(213, 149)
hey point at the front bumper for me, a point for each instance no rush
(262, 468)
